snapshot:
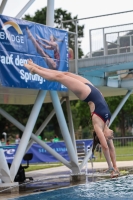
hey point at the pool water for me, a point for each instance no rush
(113, 189)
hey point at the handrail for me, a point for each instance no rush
(97, 16)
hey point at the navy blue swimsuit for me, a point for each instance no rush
(101, 107)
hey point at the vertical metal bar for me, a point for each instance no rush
(87, 157)
(90, 39)
(119, 107)
(118, 44)
(104, 44)
(50, 13)
(70, 120)
(61, 24)
(76, 48)
(19, 15)
(76, 26)
(27, 134)
(130, 43)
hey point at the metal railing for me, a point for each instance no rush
(124, 146)
(106, 45)
(75, 21)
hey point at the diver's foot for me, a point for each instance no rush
(30, 62)
(30, 68)
(113, 173)
(109, 170)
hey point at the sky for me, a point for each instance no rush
(82, 9)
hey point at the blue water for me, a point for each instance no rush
(113, 189)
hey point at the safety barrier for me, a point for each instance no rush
(124, 146)
(40, 154)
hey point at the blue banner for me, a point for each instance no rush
(40, 155)
(21, 40)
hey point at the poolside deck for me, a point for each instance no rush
(53, 178)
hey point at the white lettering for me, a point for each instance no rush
(7, 59)
(20, 61)
(9, 151)
(3, 59)
(18, 39)
(11, 37)
(17, 60)
(22, 39)
(28, 76)
(2, 35)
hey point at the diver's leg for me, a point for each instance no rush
(77, 87)
(112, 154)
(80, 78)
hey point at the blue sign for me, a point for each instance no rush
(40, 155)
(21, 40)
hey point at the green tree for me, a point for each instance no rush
(125, 117)
(82, 117)
(19, 112)
(60, 15)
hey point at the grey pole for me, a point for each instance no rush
(61, 24)
(120, 106)
(50, 13)
(104, 43)
(76, 48)
(64, 129)
(90, 43)
(56, 102)
(43, 126)
(34, 137)
(70, 120)
(118, 43)
(3, 4)
(104, 53)
(87, 157)
(130, 43)
(27, 134)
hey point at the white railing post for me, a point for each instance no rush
(90, 43)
